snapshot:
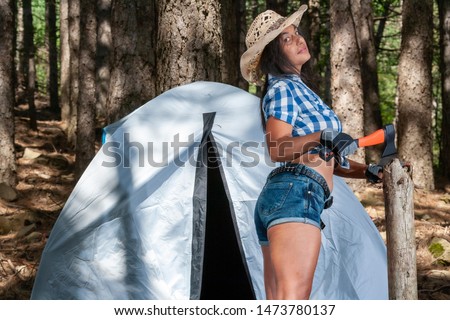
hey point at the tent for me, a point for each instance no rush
(165, 211)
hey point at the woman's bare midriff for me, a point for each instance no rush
(315, 162)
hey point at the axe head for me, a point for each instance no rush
(390, 151)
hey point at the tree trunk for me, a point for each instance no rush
(74, 45)
(254, 8)
(104, 47)
(243, 84)
(30, 68)
(133, 26)
(279, 6)
(398, 192)
(444, 19)
(15, 83)
(229, 12)
(7, 154)
(20, 57)
(85, 149)
(65, 63)
(311, 22)
(415, 139)
(202, 36)
(52, 81)
(323, 46)
(346, 84)
(362, 12)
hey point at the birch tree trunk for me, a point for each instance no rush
(415, 108)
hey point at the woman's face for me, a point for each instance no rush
(294, 47)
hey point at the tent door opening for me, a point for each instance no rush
(225, 276)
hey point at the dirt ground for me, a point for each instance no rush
(46, 180)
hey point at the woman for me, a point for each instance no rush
(304, 137)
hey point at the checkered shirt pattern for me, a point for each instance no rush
(290, 100)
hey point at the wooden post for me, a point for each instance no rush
(400, 232)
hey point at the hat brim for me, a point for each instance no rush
(250, 58)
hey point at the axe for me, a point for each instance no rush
(386, 136)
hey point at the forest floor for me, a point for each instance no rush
(46, 179)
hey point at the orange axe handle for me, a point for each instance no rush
(372, 139)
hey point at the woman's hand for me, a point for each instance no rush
(374, 173)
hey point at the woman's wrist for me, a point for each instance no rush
(372, 173)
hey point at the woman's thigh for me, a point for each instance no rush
(294, 251)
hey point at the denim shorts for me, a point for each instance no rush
(290, 197)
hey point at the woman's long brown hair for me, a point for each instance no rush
(274, 61)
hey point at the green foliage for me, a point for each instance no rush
(41, 55)
(436, 249)
(38, 9)
(387, 57)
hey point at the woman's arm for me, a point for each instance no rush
(282, 145)
(373, 172)
(357, 170)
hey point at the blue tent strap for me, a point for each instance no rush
(103, 136)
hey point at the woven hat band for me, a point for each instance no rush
(276, 25)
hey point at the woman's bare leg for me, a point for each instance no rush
(269, 277)
(294, 251)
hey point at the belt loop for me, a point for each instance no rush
(304, 170)
(298, 168)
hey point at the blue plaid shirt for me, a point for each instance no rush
(290, 100)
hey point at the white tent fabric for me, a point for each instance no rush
(134, 226)
(353, 261)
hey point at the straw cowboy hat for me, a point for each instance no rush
(266, 27)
